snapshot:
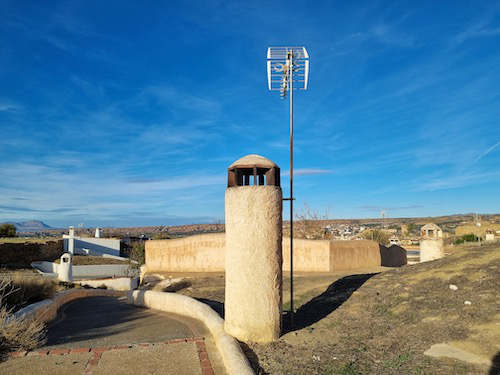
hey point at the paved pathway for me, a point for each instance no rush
(105, 335)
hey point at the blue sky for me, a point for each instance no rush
(119, 113)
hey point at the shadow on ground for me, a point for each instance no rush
(217, 306)
(495, 366)
(324, 304)
(99, 319)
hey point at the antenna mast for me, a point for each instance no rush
(288, 70)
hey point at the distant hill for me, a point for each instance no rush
(31, 226)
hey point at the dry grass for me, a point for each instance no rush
(18, 333)
(24, 290)
(385, 326)
(382, 324)
(27, 239)
(84, 260)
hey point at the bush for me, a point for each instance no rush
(161, 236)
(309, 224)
(23, 290)
(376, 235)
(7, 230)
(137, 253)
(16, 333)
(466, 238)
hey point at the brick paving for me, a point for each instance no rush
(97, 353)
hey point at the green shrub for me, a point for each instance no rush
(7, 230)
(471, 237)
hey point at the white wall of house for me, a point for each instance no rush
(95, 245)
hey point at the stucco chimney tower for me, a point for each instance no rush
(431, 243)
(253, 302)
(65, 268)
(71, 240)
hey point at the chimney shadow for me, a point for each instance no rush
(325, 303)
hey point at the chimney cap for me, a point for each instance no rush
(253, 160)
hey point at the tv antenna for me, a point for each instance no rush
(288, 70)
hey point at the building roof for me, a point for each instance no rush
(430, 226)
(254, 160)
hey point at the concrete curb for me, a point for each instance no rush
(233, 358)
(46, 310)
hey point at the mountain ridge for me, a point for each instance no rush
(29, 226)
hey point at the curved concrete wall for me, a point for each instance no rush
(119, 283)
(46, 310)
(253, 263)
(234, 360)
(309, 255)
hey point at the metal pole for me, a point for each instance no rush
(290, 75)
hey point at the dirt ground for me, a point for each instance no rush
(381, 321)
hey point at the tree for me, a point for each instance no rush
(7, 230)
(376, 235)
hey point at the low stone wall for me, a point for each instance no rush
(199, 253)
(308, 255)
(206, 253)
(93, 270)
(46, 310)
(99, 270)
(349, 255)
(119, 283)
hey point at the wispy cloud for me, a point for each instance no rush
(479, 29)
(489, 150)
(454, 180)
